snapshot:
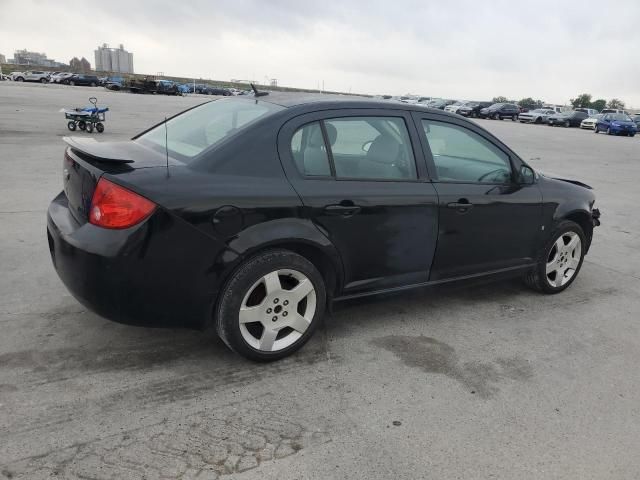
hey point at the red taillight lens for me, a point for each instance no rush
(113, 206)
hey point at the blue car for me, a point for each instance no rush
(616, 124)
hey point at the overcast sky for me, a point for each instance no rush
(552, 50)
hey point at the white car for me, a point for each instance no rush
(453, 108)
(590, 123)
(539, 115)
(31, 76)
(60, 77)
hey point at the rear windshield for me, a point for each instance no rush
(621, 117)
(195, 130)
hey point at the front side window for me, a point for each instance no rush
(376, 148)
(195, 130)
(461, 155)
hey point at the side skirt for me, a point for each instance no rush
(435, 282)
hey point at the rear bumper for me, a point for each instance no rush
(136, 276)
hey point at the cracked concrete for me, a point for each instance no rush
(467, 381)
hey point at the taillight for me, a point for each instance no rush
(113, 206)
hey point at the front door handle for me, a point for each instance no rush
(462, 207)
(343, 210)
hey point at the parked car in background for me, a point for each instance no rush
(60, 77)
(555, 108)
(219, 91)
(82, 80)
(571, 118)
(167, 87)
(616, 124)
(472, 109)
(242, 237)
(500, 111)
(614, 110)
(439, 103)
(539, 115)
(589, 111)
(455, 106)
(590, 123)
(30, 76)
(636, 119)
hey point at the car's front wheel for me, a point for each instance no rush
(560, 261)
(496, 116)
(271, 305)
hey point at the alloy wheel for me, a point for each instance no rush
(564, 259)
(277, 310)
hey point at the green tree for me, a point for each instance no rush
(599, 104)
(500, 99)
(583, 100)
(615, 103)
(528, 103)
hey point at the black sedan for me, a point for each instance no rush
(472, 109)
(567, 119)
(252, 215)
(82, 80)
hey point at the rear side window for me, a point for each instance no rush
(367, 148)
(461, 155)
(376, 148)
(309, 151)
(195, 130)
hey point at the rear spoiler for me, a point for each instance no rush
(114, 152)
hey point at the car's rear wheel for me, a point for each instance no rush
(72, 83)
(43, 80)
(609, 132)
(567, 124)
(93, 84)
(514, 118)
(271, 305)
(538, 120)
(19, 79)
(560, 261)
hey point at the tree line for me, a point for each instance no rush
(584, 100)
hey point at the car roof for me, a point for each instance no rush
(321, 101)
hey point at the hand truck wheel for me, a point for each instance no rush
(82, 125)
(71, 126)
(99, 127)
(89, 127)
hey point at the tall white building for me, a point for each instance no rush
(113, 59)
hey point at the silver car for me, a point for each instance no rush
(539, 115)
(30, 76)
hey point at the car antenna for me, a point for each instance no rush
(258, 93)
(166, 143)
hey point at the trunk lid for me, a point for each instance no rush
(86, 160)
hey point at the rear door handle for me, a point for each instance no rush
(344, 210)
(461, 206)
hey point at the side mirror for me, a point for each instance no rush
(526, 176)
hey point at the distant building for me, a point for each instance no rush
(3, 59)
(113, 59)
(25, 57)
(80, 66)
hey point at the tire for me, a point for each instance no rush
(496, 116)
(71, 126)
(514, 118)
(247, 288)
(82, 125)
(595, 129)
(19, 79)
(72, 83)
(43, 80)
(92, 84)
(100, 127)
(609, 132)
(568, 261)
(632, 135)
(89, 128)
(567, 124)
(538, 120)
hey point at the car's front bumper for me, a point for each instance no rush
(137, 276)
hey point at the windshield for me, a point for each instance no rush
(621, 117)
(195, 130)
